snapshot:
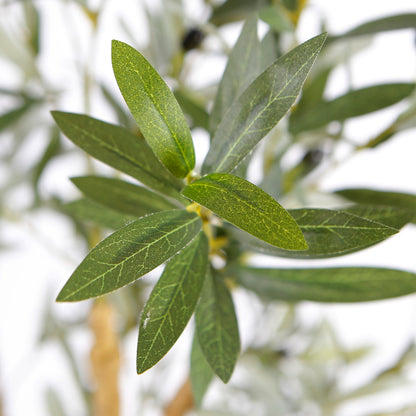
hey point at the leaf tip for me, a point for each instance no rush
(61, 297)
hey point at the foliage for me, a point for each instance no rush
(204, 222)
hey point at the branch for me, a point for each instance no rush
(105, 360)
(182, 402)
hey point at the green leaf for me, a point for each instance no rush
(258, 109)
(396, 22)
(233, 10)
(276, 19)
(8, 119)
(313, 90)
(172, 303)
(391, 216)
(343, 284)
(269, 49)
(130, 253)
(242, 67)
(33, 23)
(352, 104)
(154, 108)
(52, 149)
(193, 107)
(328, 233)
(201, 373)
(118, 148)
(121, 196)
(291, 5)
(248, 207)
(387, 198)
(122, 114)
(216, 326)
(87, 210)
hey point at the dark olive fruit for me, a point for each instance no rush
(192, 39)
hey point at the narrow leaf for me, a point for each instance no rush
(234, 10)
(122, 114)
(258, 109)
(393, 217)
(248, 207)
(313, 90)
(344, 284)
(396, 22)
(276, 19)
(269, 49)
(87, 210)
(52, 149)
(216, 326)
(8, 119)
(172, 303)
(242, 67)
(121, 196)
(328, 233)
(353, 104)
(118, 148)
(130, 253)
(387, 198)
(193, 107)
(154, 108)
(201, 373)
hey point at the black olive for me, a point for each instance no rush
(313, 157)
(192, 39)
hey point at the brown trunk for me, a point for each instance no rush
(182, 402)
(105, 360)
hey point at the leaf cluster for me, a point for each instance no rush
(186, 216)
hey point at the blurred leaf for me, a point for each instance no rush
(405, 411)
(154, 108)
(121, 196)
(391, 377)
(201, 373)
(122, 116)
(52, 149)
(234, 10)
(258, 109)
(16, 51)
(269, 49)
(194, 109)
(54, 403)
(248, 207)
(311, 160)
(13, 116)
(399, 21)
(33, 24)
(165, 26)
(373, 197)
(277, 20)
(272, 182)
(328, 233)
(172, 303)
(341, 284)
(352, 104)
(91, 211)
(291, 4)
(242, 67)
(130, 253)
(313, 90)
(216, 326)
(118, 148)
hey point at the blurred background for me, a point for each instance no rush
(305, 359)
